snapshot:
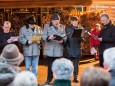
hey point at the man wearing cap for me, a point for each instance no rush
(53, 35)
(31, 48)
(6, 35)
(106, 37)
(73, 51)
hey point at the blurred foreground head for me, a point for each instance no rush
(109, 58)
(11, 55)
(25, 78)
(62, 69)
(95, 76)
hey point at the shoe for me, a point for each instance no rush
(75, 81)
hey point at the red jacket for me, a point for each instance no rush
(93, 40)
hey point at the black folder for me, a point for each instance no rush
(77, 33)
(58, 38)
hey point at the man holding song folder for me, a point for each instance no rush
(106, 37)
(53, 35)
(30, 36)
(73, 45)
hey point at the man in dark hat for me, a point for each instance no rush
(30, 39)
(73, 51)
(53, 36)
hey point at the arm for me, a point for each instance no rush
(22, 39)
(110, 39)
(45, 36)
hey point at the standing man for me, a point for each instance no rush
(31, 48)
(107, 36)
(53, 36)
(73, 45)
(6, 36)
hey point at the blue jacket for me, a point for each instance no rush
(73, 45)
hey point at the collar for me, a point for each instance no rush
(62, 81)
(107, 25)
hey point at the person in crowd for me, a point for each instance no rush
(29, 37)
(106, 37)
(6, 35)
(62, 71)
(109, 63)
(25, 78)
(53, 35)
(94, 42)
(7, 74)
(73, 46)
(10, 59)
(95, 76)
(11, 55)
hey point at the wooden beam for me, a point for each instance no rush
(41, 3)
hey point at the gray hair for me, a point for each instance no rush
(109, 58)
(95, 76)
(105, 15)
(25, 78)
(62, 68)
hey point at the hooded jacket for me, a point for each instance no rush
(7, 73)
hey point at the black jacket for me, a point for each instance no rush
(108, 37)
(3, 39)
(73, 45)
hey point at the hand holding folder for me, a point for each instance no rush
(57, 37)
(14, 38)
(36, 38)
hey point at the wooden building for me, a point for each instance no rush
(108, 6)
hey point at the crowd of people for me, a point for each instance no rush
(61, 67)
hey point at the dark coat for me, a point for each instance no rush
(62, 83)
(112, 82)
(73, 45)
(108, 37)
(4, 37)
(7, 73)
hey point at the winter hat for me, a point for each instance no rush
(73, 18)
(55, 16)
(11, 54)
(31, 20)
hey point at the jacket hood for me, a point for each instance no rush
(7, 74)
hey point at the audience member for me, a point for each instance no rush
(95, 76)
(25, 78)
(62, 71)
(109, 63)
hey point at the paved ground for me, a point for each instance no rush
(42, 69)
